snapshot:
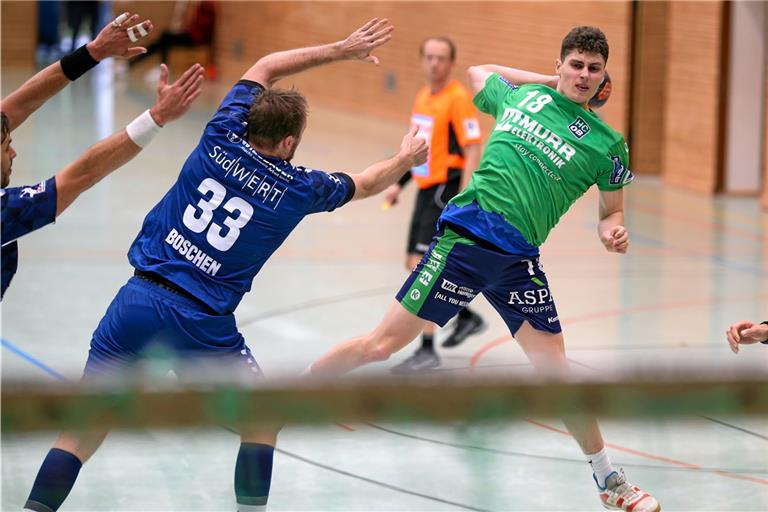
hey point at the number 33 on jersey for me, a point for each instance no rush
(230, 209)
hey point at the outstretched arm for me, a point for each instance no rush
(357, 46)
(611, 230)
(111, 153)
(112, 41)
(479, 74)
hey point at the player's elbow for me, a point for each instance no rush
(476, 75)
(471, 73)
(262, 72)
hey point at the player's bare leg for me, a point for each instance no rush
(82, 444)
(546, 351)
(397, 329)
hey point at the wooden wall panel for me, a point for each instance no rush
(648, 86)
(519, 34)
(765, 143)
(692, 124)
(19, 33)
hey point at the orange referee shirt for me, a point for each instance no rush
(448, 122)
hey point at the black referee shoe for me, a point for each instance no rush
(464, 329)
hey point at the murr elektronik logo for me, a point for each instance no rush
(579, 128)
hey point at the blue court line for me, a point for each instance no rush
(47, 369)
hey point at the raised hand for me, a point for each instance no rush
(615, 239)
(360, 43)
(174, 100)
(745, 333)
(391, 195)
(114, 41)
(415, 148)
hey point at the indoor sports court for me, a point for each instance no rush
(689, 86)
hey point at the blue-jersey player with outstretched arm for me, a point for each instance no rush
(237, 198)
(26, 209)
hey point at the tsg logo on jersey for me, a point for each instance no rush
(30, 192)
(620, 174)
(579, 128)
(233, 137)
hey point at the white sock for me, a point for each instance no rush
(601, 465)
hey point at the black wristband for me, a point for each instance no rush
(77, 63)
(764, 342)
(405, 178)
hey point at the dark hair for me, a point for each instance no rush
(6, 127)
(276, 114)
(442, 39)
(585, 40)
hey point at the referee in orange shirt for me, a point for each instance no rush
(447, 119)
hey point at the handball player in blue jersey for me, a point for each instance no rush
(28, 208)
(237, 198)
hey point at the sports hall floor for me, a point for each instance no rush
(695, 265)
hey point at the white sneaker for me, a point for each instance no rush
(618, 494)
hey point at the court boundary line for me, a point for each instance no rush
(33, 360)
(379, 483)
(553, 458)
(735, 427)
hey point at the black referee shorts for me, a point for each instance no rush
(429, 205)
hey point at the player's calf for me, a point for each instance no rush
(253, 476)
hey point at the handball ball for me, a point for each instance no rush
(602, 93)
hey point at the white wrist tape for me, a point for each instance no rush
(142, 129)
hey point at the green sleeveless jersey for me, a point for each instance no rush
(543, 153)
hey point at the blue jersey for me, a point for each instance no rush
(230, 209)
(24, 209)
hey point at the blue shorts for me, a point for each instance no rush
(455, 269)
(147, 322)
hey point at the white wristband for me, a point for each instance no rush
(142, 129)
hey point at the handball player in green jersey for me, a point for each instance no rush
(546, 149)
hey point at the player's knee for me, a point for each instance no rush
(81, 446)
(380, 352)
(267, 437)
(377, 349)
(552, 365)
